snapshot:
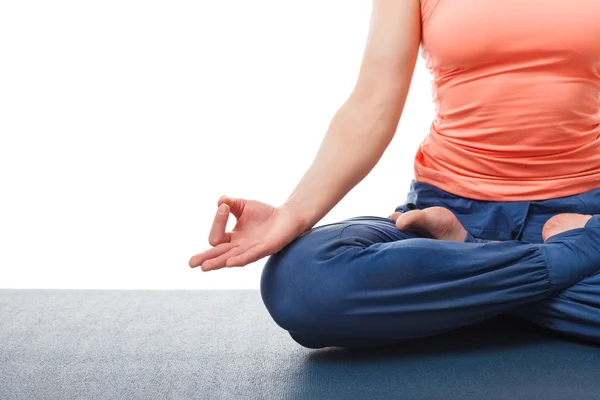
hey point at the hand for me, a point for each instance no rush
(260, 230)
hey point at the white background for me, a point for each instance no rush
(122, 122)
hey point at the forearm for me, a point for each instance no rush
(356, 139)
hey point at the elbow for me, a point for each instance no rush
(376, 114)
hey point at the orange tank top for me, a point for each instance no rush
(516, 85)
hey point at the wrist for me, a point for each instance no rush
(299, 214)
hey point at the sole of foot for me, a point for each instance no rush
(434, 222)
(563, 222)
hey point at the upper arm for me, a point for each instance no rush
(390, 53)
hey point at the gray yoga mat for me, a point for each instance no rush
(88, 344)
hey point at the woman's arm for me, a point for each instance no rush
(365, 124)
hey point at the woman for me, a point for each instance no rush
(503, 215)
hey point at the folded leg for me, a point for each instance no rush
(574, 311)
(362, 281)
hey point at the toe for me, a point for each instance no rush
(413, 220)
(395, 215)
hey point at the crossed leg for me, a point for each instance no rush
(362, 281)
(574, 311)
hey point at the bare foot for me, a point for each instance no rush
(563, 222)
(436, 222)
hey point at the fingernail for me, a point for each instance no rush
(222, 209)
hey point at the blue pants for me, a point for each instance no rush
(363, 282)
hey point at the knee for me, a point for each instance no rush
(294, 284)
(281, 287)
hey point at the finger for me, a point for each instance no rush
(216, 251)
(395, 215)
(235, 205)
(219, 262)
(252, 254)
(217, 233)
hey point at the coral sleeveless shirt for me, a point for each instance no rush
(516, 84)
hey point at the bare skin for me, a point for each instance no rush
(262, 230)
(356, 139)
(440, 223)
(562, 223)
(436, 222)
(359, 133)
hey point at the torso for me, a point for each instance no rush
(517, 91)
